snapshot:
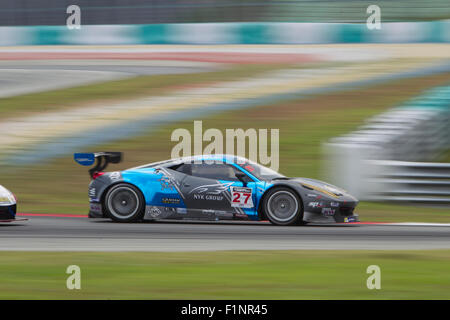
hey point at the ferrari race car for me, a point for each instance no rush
(210, 187)
(7, 205)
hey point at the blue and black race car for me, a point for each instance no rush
(211, 187)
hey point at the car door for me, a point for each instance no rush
(208, 191)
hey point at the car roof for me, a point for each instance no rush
(227, 158)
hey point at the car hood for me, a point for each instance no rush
(321, 186)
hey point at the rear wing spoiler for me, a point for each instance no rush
(101, 160)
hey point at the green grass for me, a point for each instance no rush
(382, 212)
(227, 275)
(61, 186)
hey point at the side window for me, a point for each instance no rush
(185, 168)
(214, 171)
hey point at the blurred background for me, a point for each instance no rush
(47, 12)
(365, 108)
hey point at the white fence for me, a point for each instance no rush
(383, 159)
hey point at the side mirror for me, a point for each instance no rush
(242, 178)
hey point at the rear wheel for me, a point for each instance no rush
(124, 203)
(283, 206)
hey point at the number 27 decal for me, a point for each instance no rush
(241, 197)
(237, 197)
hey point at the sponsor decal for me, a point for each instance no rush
(92, 192)
(311, 195)
(154, 211)
(166, 183)
(95, 207)
(328, 212)
(181, 210)
(240, 215)
(208, 211)
(170, 200)
(350, 219)
(315, 204)
(241, 197)
(249, 168)
(222, 213)
(85, 159)
(208, 197)
(334, 204)
(169, 181)
(159, 212)
(212, 192)
(217, 188)
(115, 175)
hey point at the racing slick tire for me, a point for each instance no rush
(283, 207)
(124, 203)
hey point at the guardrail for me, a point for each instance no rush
(382, 161)
(421, 182)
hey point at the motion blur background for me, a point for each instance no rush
(48, 12)
(367, 109)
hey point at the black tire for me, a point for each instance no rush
(283, 207)
(124, 203)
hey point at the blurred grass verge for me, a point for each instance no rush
(114, 91)
(60, 186)
(226, 275)
(445, 157)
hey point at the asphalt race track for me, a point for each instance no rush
(83, 234)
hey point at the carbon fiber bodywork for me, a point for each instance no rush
(321, 205)
(171, 194)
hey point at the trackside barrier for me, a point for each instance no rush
(421, 182)
(388, 158)
(227, 33)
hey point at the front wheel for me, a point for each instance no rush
(283, 207)
(125, 203)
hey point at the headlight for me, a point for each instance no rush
(6, 197)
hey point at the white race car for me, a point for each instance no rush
(8, 205)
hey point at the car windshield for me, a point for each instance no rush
(259, 171)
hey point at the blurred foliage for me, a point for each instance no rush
(114, 91)
(445, 157)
